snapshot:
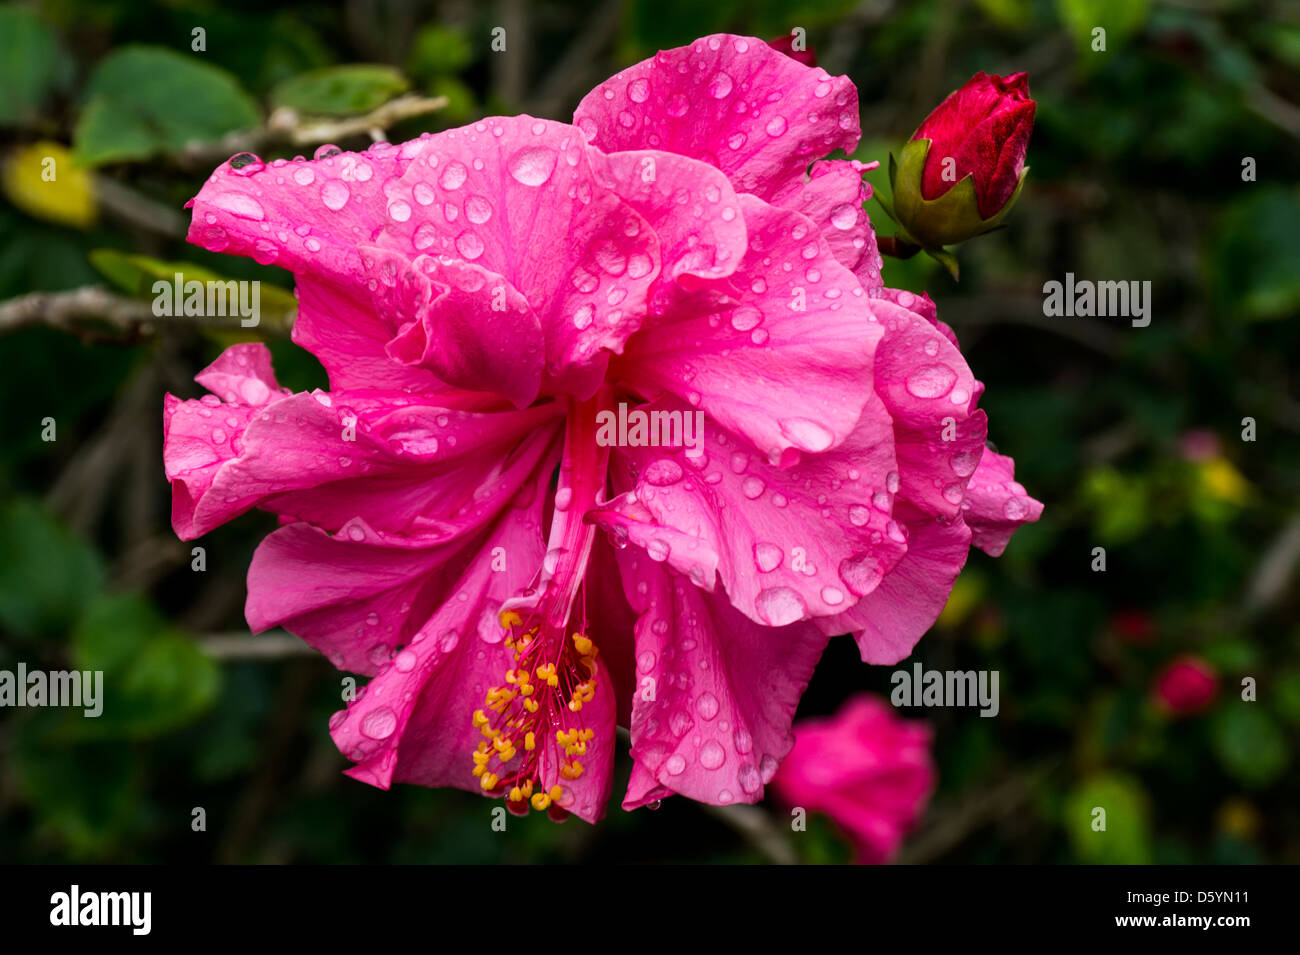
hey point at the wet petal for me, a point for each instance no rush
(716, 692)
(996, 504)
(780, 352)
(758, 115)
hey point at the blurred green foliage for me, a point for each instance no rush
(1132, 437)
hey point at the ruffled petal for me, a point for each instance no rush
(442, 310)
(732, 101)
(930, 392)
(780, 352)
(788, 544)
(996, 504)
(888, 622)
(834, 197)
(715, 694)
(403, 463)
(520, 197)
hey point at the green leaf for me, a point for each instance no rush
(1126, 839)
(1119, 18)
(86, 796)
(142, 101)
(32, 64)
(1249, 743)
(136, 275)
(438, 50)
(1255, 251)
(47, 575)
(155, 679)
(340, 90)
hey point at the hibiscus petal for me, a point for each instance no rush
(520, 197)
(996, 504)
(715, 695)
(834, 197)
(930, 393)
(307, 216)
(693, 210)
(788, 543)
(350, 339)
(469, 326)
(780, 352)
(888, 622)
(732, 101)
(400, 461)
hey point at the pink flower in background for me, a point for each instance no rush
(481, 299)
(1186, 686)
(866, 769)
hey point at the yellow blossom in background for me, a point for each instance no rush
(43, 180)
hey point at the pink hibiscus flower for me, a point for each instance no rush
(868, 770)
(482, 300)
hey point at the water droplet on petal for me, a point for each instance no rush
(453, 176)
(712, 755)
(931, 381)
(334, 194)
(778, 606)
(663, 473)
(720, 86)
(861, 573)
(379, 723)
(845, 216)
(532, 165)
(707, 706)
(767, 557)
(478, 210)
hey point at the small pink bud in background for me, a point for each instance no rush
(1186, 686)
(866, 769)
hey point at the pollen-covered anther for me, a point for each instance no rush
(550, 680)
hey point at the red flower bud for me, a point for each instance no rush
(1186, 686)
(984, 129)
(785, 43)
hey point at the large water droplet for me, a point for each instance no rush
(720, 85)
(779, 606)
(707, 706)
(805, 434)
(334, 194)
(379, 723)
(663, 472)
(469, 245)
(478, 210)
(453, 175)
(931, 381)
(712, 755)
(845, 216)
(532, 165)
(861, 573)
(767, 557)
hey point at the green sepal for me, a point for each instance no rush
(954, 216)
